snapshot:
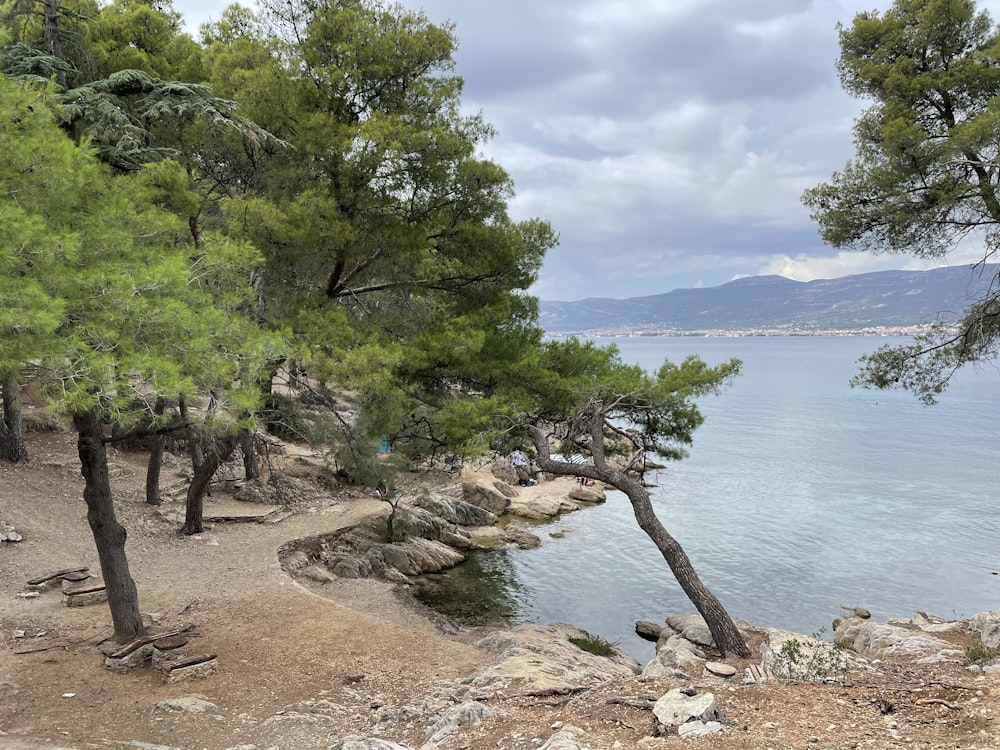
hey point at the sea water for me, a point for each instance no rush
(800, 496)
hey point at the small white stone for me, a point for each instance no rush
(69, 695)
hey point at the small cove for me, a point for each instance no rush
(800, 495)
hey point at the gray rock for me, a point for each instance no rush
(698, 728)
(487, 498)
(358, 742)
(675, 708)
(585, 495)
(541, 660)
(521, 537)
(567, 738)
(649, 631)
(693, 628)
(455, 719)
(719, 669)
(501, 468)
(192, 704)
(505, 489)
(877, 640)
(672, 655)
(987, 624)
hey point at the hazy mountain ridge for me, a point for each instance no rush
(869, 300)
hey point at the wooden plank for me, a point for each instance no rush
(91, 589)
(58, 574)
(138, 643)
(189, 662)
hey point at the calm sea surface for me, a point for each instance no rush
(800, 495)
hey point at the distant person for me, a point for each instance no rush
(521, 468)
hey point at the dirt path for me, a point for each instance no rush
(277, 643)
(299, 670)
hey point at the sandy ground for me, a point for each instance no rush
(302, 670)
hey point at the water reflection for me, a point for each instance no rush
(483, 590)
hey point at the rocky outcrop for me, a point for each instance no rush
(877, 640)
(541, 660)
(987, 625)
(540, 506)
(485, 497)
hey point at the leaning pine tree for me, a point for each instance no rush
(587, 400)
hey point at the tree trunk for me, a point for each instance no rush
(155, 459)
(251, 469)
(109, 535)
(12, 430)
(215, 453)
(726, 635)
(193, 437)
(50, 33)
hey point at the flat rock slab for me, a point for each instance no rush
(675, 707)
(191, 704)
(719, 669)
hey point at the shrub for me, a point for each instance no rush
(980, 655)
(799, 662)
(594, 644)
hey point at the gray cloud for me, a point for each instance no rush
(668, 141)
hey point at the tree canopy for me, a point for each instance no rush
(300, 189)
(927, 168)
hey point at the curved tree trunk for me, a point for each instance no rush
(109, 535)
(214, 453)
(251, 469)
(155, 459)
(12, 443)
(726, 635)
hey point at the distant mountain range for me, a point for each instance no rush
(885, 299)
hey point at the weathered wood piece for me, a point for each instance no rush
(56, 575)
(138, 643)
(71, 581)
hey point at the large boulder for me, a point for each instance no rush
(457, 511)
(487, 498)
(987, 624)
(541, 660)
(416, 556)
(876, 640)
(540, 505)
(692, 627)
(678, 707)
(587, 495)
(674, 655)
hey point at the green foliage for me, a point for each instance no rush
(594, 644)
(980, 656)
(799, 662)
(283, 419)
(114, 309)
(576, 382)
(923, 177)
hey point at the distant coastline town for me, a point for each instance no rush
(883, 331)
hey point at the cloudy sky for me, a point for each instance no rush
(667, 141)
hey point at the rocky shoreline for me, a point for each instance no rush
(486, 509)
